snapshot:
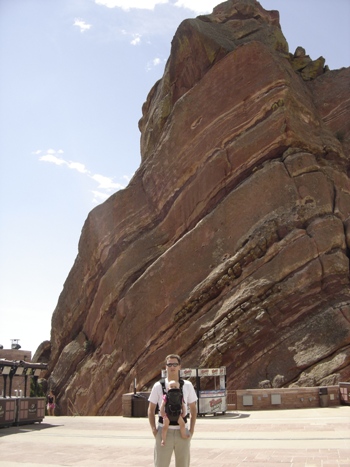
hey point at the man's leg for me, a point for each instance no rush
(162, 454)
(182, 450)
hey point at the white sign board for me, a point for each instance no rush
(212, 403)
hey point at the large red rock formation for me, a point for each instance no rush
(230, 244)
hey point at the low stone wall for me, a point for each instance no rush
(259, 399)
(285, 398)
(344, 389)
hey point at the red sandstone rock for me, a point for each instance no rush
(230, 245)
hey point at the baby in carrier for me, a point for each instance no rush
(173, 409)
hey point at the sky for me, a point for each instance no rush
(74, 75)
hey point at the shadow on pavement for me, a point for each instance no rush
(226, 415)
(26, 428)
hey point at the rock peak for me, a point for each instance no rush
(231, 244)
(197, 46)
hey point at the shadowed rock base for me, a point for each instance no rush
(231, 243)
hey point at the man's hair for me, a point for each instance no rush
(173, 355)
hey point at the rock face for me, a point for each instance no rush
(231, 243)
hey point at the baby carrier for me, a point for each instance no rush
(173, 405)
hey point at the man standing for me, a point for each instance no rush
(174, 443)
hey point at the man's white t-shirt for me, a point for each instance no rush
(156, 396)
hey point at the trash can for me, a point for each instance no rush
(323, 394)
(139, 405)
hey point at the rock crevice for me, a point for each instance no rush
(231, 244)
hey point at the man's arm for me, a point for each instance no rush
(162, 409)
(184, 410)
(152, 418)
(193, 418)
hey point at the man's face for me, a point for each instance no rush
(173, 368)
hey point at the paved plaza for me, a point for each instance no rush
(294, 438)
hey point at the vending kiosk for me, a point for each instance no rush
(16, 407)
(210, 401)
(214, 400)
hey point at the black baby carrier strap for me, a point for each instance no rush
(173, 406)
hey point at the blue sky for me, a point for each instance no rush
(74, 76)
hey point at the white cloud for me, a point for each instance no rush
(136, 40)
(156, 61)
(50, 156)
(106, 185)
(81, 25)
(99, 197)
(53, 159)
(129, 4)
(77, 166)
(153, 63)
(198, 6)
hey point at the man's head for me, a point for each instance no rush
(173, 366)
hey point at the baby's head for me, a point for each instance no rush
(174, 384)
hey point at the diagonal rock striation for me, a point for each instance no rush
(231, 243)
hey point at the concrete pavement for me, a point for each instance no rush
(293, 438)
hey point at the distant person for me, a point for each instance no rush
(173, 409)
(51, 403)
(175, 442)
